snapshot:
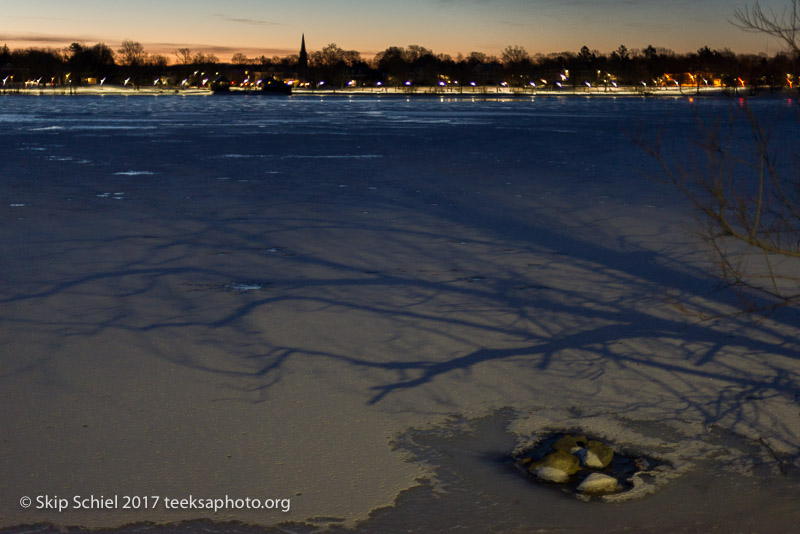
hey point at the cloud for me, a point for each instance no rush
(37, 39)
(21, 41)
(169, 48)
(251, 22)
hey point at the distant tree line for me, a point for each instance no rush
(396, 66)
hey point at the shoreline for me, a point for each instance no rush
(417, 92)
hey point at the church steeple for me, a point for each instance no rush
(302, 61)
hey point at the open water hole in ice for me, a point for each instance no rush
(477, 490)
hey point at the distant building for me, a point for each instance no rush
(221, 84)
(302, 61)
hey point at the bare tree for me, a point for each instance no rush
(239, 59)
(329, 56)
(132, 53)
(158, 60)
(204, 59)
(184, 56)
(784, 25)
(515, 55)
(748, 192)
(748, 198)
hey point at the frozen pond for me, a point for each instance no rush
(363, 304)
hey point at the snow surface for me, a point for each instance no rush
(416, 259)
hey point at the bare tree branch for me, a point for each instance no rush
(783, 25)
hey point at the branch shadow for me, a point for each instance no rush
(454, 282)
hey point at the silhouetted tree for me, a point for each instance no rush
(330, 65)
(204, 59)
(90, 62)
(132, 53)
(34, 63)
(392, 63)
(184, 56)
(417, 52)
(517, 64)
(239, 59)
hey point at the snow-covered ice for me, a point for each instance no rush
(442, 263)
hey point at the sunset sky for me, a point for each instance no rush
(269, 27)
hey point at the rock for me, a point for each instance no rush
(569, 443)
(598, 484)
(603, 452)
(590, 459)
(562, 460)
(642, 464)
(551, 474)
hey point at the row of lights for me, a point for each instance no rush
(563, 77)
